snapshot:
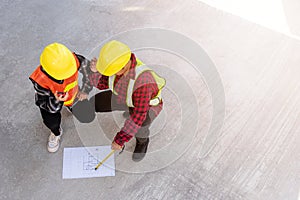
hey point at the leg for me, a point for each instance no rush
(143, 133)
(104, 101)
(142, 138)
(84, 111)
(52, 121)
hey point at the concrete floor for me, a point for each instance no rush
(254, 156)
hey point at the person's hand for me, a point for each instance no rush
(115, 146)
(93, 65)
(82, 96)
(61, 97)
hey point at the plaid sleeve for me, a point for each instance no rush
(145, 90)
(98, 80)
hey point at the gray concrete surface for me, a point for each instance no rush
(257, 155)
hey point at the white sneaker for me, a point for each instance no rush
(53, 142)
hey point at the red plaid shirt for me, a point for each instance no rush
(145, 89)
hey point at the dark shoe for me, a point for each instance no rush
(140, 150)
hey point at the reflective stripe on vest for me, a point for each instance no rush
(138, 71)
(68, 88)
(111, 81)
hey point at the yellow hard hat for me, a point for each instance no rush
(58, 61)
(113, 56)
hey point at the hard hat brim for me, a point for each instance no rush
(114, 67)
(58, 61)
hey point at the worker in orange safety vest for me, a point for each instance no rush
(55, 82)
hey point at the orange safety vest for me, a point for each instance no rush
(69, 85)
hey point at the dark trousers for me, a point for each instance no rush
(85, 110)
(52, 121)
(105, 101)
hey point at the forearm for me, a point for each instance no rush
(130, 128)
(46, 100)
(85, 70)
(91, 79)
(141, 99)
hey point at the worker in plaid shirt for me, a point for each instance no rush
(133, 87)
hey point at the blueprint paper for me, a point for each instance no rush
(80, 162)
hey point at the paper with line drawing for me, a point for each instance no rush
(80, 162)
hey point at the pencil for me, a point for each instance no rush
(100, 163)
